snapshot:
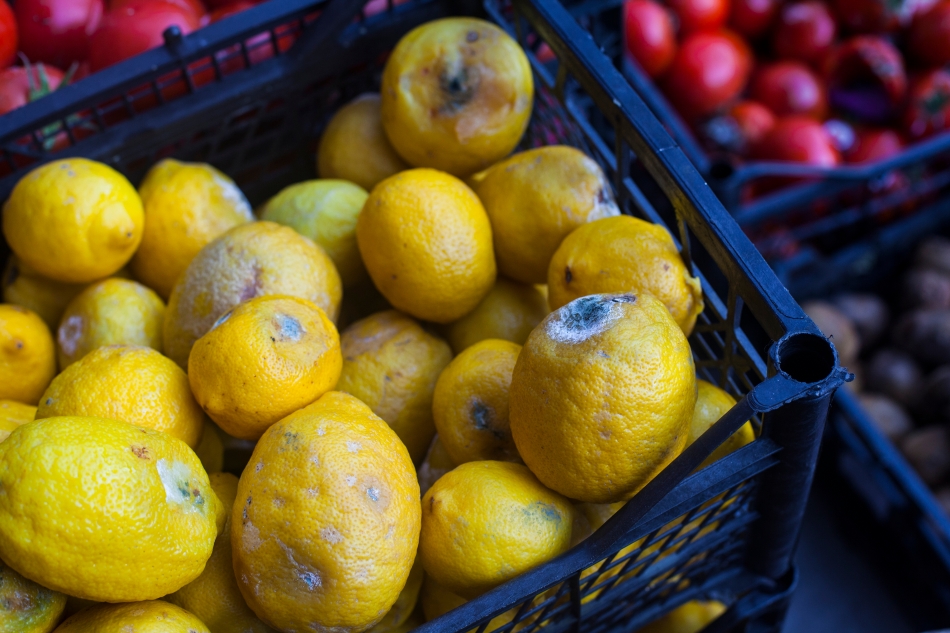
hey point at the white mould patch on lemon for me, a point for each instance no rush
(585, 317)
(69, 334)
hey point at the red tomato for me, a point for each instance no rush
(805, 31)
(929, 37)
(57, 31)
(752, 18)
(650, 35)
(709, 71)
(798, 139)
(928, 106)
(866, 78)
(873, 144)
(8, 35)
(699, 15)
(229, 10)
(135, 28)
(789, 88)
(754, 121)
(16, 89)
(195, 6)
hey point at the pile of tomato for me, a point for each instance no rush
(824, 83)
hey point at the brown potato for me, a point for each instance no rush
(894, 374)
(838, 327)
(888, 417)
(868, 312)
(928, 451)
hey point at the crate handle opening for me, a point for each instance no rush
(806, 357)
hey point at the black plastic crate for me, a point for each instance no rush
(727, 532)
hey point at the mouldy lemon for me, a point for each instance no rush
(426, 242)
(392, 364)
(326, 212)
(214, 596)
(252, 260)
(26, 607)
(486, 522)
(153, 616)
(456, 95)
(534, 200)
(186, 206)
(27, 355)
(354, 146)
(12, 415)
(110, 312)
(263, 360)
(625, 254)
(602, 396)
(326, 522)
(436, 463)
(711, 404)
(405, 603)
(509, 311)
(470, 403)
(129, 383)
(141, 520)
(73, 220)
(47, 297)
(691, 617)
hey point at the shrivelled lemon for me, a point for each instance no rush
(263, 360)
(326, 212)
(470, 404)
(73, 220)
(426, 242)
(110, 312)
(392, 364)
(135, 497)
(129, 383)
(354, 146)
(214, 596)
(252, 260)
(625, 254)
(602, 396)
(27, 355)
(152, 616)
(509, 311)
(47, 297)
(436, 463)
(326, 522)
(456, 95)
(534, 200)
(711, 404)
(186, 206)
(486, 522)
(12, 415)
(26, 607)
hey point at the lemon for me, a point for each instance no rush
(153, 616)
(26, 607)
(509, 311)
(27, 355)
(12, 415)
(47, 297)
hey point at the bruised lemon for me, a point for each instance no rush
(251, 260)
(509, 311)
(263, 360)
(136, 497)
(711, 404)
(12, 415)
(625, 254)
(186, 206)
(153, 616)
(27, 355)
(26, 607)
(456, 95)
(602, 396)
(354, 145)
(133, 384)
(426, 242)
(47, 297)
(73, 220)
(326, 523)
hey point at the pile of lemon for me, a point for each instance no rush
(513, 365)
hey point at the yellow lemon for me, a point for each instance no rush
(12, 415)
(133, 495)
(392, 364)
(27, 355)
(456, 95)
(426, 242)
(470, 403)
(186, 206)
(354, 146)
(262, 361)
(326, 212)
(47, 297)
(625, 254)
(691, 617)
(486, 522)
(252, 260)
(602, 396)
(509, 311)
(211, 449)
(133, 384)
(436, 463)
(534, 200)
(110, 312)
(73, 220)
(326, 522)
(153, 616)
(711, 404)
(26, 607)
(214, 596)
(405, 603)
